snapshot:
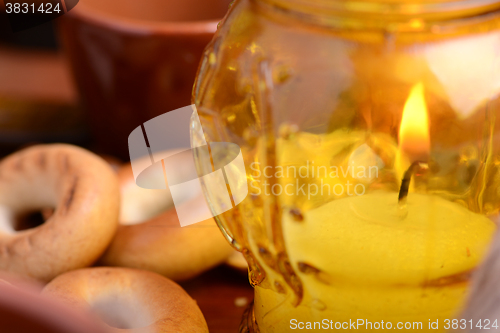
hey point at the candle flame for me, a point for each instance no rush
(414, 138)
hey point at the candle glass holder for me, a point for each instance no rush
(369, 131)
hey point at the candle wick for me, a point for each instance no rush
(405, 183)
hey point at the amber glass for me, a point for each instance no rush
(309, 89)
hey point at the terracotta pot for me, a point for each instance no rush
(134, 60)
(26, 312)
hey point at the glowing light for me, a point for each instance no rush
(414, 138)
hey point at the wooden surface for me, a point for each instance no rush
(218, 292)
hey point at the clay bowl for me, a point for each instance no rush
(134, 60)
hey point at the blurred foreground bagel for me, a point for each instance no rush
(83, 193)
(129, 300)
(23, 310)
(150, 236)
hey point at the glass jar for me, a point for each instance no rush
(369, 131)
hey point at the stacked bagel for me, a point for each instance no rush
(92, 215)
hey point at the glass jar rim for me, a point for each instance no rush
(389, 11)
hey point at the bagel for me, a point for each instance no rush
(139, 204)
(83, 193)
(129, 300)
(146, 240)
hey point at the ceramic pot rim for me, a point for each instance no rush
(142, 27)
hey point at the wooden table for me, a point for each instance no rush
(218, 292)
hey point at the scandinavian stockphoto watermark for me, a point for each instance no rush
(359, 324)
(368, 325)
(216, 167)
(311, 180)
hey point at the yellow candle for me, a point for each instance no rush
(374, 265)
(437, 238)
(365, 260)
